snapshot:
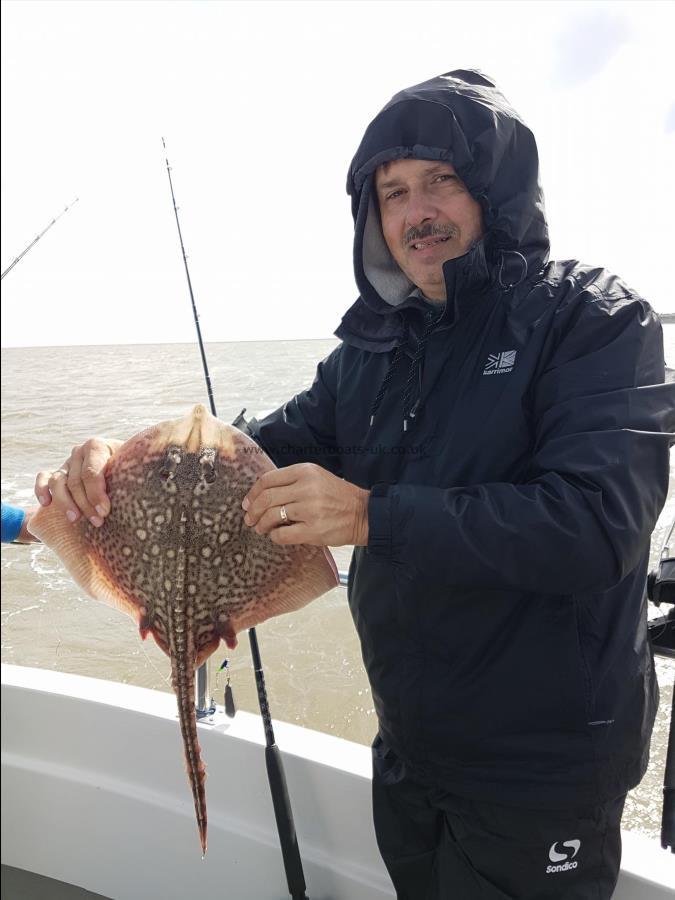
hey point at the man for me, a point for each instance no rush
(492, 436)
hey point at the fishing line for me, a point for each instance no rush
(275, 770)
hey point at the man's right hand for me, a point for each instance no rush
(78, 487)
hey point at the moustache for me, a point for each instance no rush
(427, 231)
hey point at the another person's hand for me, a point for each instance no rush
(305, 504)
(25, 537)
(78, 487)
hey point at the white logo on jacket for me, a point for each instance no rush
(500, 363)
(563, 862)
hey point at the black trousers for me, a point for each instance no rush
(438, 846)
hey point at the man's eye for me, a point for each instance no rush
(393, 195)
(445, 175)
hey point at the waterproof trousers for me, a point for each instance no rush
(438, 846)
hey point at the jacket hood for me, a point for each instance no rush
(462, 118)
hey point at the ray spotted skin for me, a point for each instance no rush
(176, 555)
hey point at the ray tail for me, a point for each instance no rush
(183, 680)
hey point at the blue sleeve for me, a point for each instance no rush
(12, 520)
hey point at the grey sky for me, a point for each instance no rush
(262, 105)
(588, 41)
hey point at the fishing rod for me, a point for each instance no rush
(35, 240)
(275, 770)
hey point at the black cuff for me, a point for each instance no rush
(379, 521)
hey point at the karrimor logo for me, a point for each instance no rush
(500, 363)
(563, 858)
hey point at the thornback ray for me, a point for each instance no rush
(175, 554)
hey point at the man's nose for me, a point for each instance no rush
(421, 209)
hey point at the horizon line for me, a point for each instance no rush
(667, 318)
(167, 343)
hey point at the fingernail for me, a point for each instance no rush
(42, 501)
(96, 521)
(101, 511)
(71, 515)
(245, 504)
(247, 521)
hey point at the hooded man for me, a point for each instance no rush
(492, 436)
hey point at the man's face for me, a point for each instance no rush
(428, 216)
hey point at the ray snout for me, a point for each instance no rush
(196, 431)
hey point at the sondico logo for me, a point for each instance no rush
(564, 861)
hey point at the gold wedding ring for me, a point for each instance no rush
(283, 514)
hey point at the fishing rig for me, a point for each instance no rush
(275, 770)
(36, 239)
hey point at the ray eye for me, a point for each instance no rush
(209, 474)
(208, 470)
(168, 470)
(207, 462)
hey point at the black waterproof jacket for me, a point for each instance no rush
(500, 601)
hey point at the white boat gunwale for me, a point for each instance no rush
(95, 794)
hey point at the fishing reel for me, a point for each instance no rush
(661, 589)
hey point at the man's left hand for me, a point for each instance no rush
(320, 508)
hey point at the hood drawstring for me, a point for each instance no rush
(385, 381)
(409, 412)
